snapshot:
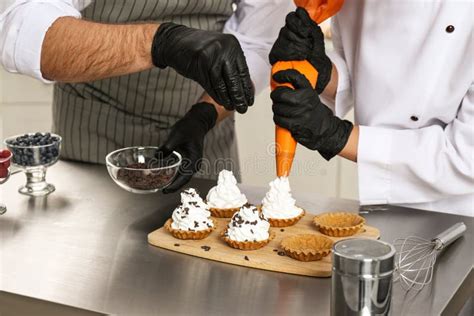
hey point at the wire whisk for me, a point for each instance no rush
(416, 257)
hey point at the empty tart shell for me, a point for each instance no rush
(247, 245)
(307, 247)
(223, 212)
(184, 234)
(284, 222)
(339, 224)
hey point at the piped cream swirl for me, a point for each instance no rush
(248, 224)
(193, 214)
(226, 194)
(278, 202)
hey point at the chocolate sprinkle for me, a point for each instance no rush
(206, 248)
(246, 258)
(137, 179)
(176, 245)
(275, 250)
(282, 230)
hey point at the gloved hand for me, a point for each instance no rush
(310, 122)
(215, 60)
(187, 138)
(302, 39)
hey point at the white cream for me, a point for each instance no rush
(226, 194)
(248, 224)
(278, 202)
(193, 214)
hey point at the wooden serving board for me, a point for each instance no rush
(267, 258)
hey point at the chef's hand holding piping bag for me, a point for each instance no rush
(413, 139)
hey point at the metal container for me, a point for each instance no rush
(362, 277)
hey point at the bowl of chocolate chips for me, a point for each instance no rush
(142, 170)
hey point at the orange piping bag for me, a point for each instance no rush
(319, 10)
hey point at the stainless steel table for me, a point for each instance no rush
(85, 246)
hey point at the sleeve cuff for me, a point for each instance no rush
(373, 161)
(259, 71)
(27, 55)
(344, 82)
(255, 55)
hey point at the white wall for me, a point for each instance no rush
(25, 105)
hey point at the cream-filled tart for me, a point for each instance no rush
(225, 198)
(248, 229)
(191, 219)
(279, 206)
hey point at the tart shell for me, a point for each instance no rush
(339, 224)
(223, 212)
(307, 247)
(246, 245)
(184, 234)
(284, 222)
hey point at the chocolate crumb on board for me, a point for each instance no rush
(275, 250)
(206, 248)
(176, 245)
(282, 230)
(246, 258)
(281, 253)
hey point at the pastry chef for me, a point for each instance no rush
(406, 69)
(145, 72)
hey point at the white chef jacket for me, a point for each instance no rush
(24, 23)
(407, 69)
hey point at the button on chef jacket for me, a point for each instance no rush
(406, 67)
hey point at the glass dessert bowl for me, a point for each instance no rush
(5, 158)
(33, 153)
(142, 169)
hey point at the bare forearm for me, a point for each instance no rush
(350, 150)
(222, 113)
(76, 50)
(331, 89)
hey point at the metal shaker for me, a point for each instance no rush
(362, 274)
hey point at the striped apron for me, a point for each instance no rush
(95, 118)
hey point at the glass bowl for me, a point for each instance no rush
(34, 159)
(141, 169)
(5, 158)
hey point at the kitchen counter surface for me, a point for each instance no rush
(86, 246)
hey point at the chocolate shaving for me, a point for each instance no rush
(206, 248)
(176, 245)
(246, 258)
(196, 224)
(282, 230)
(275, 250)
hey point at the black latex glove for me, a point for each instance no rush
(302, 39)
(215, 60)
(187, 138)
(310, 122)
